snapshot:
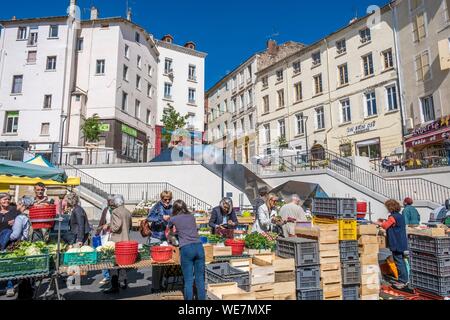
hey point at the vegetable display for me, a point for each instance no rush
(26, 249)
(214, 238)
(260, 241)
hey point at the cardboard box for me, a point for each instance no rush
(369, 259)
(363, 240)
(368, 229)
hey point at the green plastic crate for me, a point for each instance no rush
(24, 266)
(80, 259)
(106, 258)
(144, 253)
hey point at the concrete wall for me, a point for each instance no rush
(437, 175)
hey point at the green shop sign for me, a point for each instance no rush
(104, 127)
(130, 131)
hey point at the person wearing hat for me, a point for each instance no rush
(412, 216)
(447, 147)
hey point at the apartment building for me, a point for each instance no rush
(232, 103)
(340, 93)
(423, 33)
(181, 74)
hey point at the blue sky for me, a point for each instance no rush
(229, 31)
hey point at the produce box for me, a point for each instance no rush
(263, 291)
(369, 249)
(332, 291)
(367, 239)
(25, 265)
(368, 229)
(370, 259)
(80, 258)
(285, 296)
(284, 276)
(208, 253)
(371, 297)
(228, 291)
(284, 288)
(242, 264)
(253, 252)
(220, 251)
(261, 275)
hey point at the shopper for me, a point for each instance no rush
(307, 205)
(104, 231)
(386, 164)
(223, 217)
(22, 225)
(396, 235)
(192, 253)
(266, 213)
(7, 217)
(410, 213)
(263, 192)
(120, 231)
(79, 223)
(447, 147)
(292, 213)
(159, 218)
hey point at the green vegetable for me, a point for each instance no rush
(260, 242)
(214, 238)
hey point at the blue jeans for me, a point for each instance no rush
(4, 238)
(399, 260)
(193, 264)
(106, 274)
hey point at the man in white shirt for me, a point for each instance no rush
(292, 213)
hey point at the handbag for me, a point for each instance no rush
(145, 228)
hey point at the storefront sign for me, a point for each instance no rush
(434, 126)
(361, 128)
(104, 127)
(130, 131)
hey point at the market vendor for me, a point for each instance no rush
(395, 227)
(292, 213)
(40, 197)
(79, 223)
(223, 217)
(7, 217)
(266, 213)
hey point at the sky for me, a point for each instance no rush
(228, 31)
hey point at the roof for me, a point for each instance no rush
(32, 20)
(21, 169)
(181, 49)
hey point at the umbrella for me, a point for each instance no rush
(40, 161)
(20, 169)
(304, 190)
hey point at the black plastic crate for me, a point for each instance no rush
(310, 294)
(351, 273)
(224, 272)
(304, 251)
(349, 250)
(350, 292)
(437, 266)
(341, 208)
(433, 246)
(430, 283)
(307, 277)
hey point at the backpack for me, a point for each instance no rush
(145, 228)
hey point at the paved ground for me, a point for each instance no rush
(139, 285)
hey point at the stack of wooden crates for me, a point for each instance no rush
(368, 255)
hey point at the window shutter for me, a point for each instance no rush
(415, 29)
(419, 71)
(426, 66)
(421, 26)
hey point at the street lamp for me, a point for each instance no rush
(63, 121)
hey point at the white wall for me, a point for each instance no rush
(437, 175)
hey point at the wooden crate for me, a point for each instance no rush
(330, 277)
(330, 266)
(246, 220)
(332, 291)
(228, 291)
(369, 249)
(370, 297)
(263, 259)
(370, 269)
(363, 240)
(369, 229)
(262, 287)
(329, 254)
(370, 259)
(263, 291)
(370, 289)
(286, 296)
(330, 260)
(329, 246)
(208, 253)
(370, 279)
(284, 276)
(381, 242)
(282, 265)
(261, 275)
(284, 288)
(253, 252)
(431, 232)
(241, 264)
(219, 251)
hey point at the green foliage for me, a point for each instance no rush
(260, 242)
(172, 120)
(91, 129)
(282, 143)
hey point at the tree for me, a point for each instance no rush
(91, 129)
(172, 120)
(282, 143)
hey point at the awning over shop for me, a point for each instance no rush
(426, 139)
(20, 169)
(23, 181)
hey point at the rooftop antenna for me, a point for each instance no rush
(274, 34)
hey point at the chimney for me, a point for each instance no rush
(94, 13)
(14, 18)
(272, 47)
(190, 45)
(129, 14)
(167, 38)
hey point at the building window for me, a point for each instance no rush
(265, 81)
(124, 101)
(80, 44)
(392, 98)
(419, 27)
(297, 67)
(149, 90)
(127, 51)
(250, 121)
(415, 4)
(298, 91)
(31, 58)
(137, 109)
(267, 132)
(192, 73)
(22, 33)
(243, 125)
(320, 118)
(51, 63)
(45, 129)
(368, 65)
(138, 82)
(249, 73)
(47, 101)
(100, 69)
(300, 124)
(445, 13)
(388, 59)
(168, 66)
(423, 70)
(369, 148)
(250, 97)
(371, 104)
(316, 59)
(280, 75)
(343, 74)
(139, 62)
(167, 90)
(77, 98)
(280, 94)
(241, 78)
(17, 84)
(53, 32)
(428, 109)
(33, 39)
(149, 71)
(148, 117)
(191, 95)
(131, 147)
(282, 128)
(125, 73)
(318, 87)
(346, 111)
(11, 121)
(365, 35)
(234, 83)
(137, 37)
(242, 101)
(341, 46)
(234, 105)
(225, 106)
